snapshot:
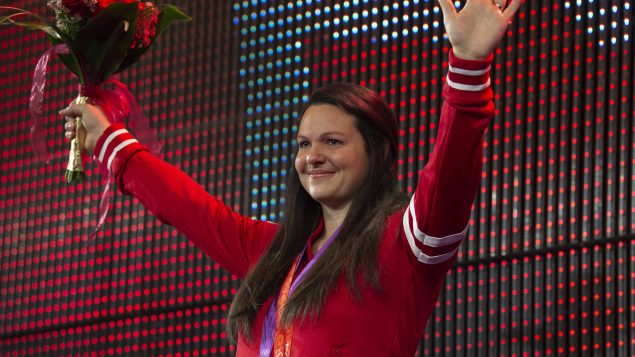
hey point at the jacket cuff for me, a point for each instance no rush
(113, 149)
(468, 75)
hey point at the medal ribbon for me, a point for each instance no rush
(274, 336)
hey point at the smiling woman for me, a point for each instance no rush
(352, 269)
(331, 161)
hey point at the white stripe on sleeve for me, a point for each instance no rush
(469, 72)
(117, 149)
(109, 139)
(431, 241)
(413, 233)
(468, 87)
(421, 256)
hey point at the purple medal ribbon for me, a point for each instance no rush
(269, 325)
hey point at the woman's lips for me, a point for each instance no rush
(319, 173)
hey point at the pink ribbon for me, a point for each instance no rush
(38, 139)
(117, 103)
(104, 206)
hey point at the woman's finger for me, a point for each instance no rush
(448, 9)
(500, 3)
(73, 110)
(512, 7)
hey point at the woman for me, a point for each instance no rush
(354, 269)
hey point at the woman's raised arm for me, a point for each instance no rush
(232, 240)
(436, 220)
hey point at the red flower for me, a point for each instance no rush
(146, 28)
(77, 7)
(102, 4)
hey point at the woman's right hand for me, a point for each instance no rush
(94, 123)
(478, 28)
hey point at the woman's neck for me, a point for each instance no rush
(333, 218)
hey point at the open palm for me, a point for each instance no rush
(478, 28)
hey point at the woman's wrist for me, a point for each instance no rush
(470, 55)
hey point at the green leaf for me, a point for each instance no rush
(69, 60)
(103, 43)
(30, 25)
(168, 15)
(55, 35)
(40, 23)
(133, 55)
(114, 52)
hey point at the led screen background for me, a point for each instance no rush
(548, 266)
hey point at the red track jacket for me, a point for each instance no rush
(418, 247)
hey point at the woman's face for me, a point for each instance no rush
(331, 161)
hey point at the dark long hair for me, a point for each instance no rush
(355, 250)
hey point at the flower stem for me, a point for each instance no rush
(75, 167)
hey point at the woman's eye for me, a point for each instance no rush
(333, 141)
(303, 144)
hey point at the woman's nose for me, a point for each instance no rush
(314, 155)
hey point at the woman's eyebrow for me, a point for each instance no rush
(300, 136)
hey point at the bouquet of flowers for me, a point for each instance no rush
(95, 39)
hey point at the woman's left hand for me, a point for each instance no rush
(94, 123)
(478, 28)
